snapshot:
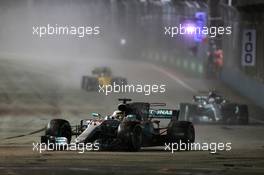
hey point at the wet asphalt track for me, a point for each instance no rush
(36, 90)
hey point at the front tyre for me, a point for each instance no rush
(57, 128)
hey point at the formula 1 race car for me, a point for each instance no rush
(214, 108)
(133, 126)
(101, 76)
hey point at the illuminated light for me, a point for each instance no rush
(190, 29)
(201, 20)
(123, 41)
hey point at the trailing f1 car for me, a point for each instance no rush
(214, 108)
(101, 76)
(133, 126)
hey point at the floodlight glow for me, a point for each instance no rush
(190, 29)
(123, 41)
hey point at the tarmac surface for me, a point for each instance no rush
(35, 90)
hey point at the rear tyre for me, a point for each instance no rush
(98, 143)
(135, 138)
(181, 132)
(235, 114)
(243, 115)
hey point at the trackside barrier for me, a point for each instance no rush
(189, 65)
(244, 84)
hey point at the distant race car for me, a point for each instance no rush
(101, 76)
(214, 108)
(133, 126)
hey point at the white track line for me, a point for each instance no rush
(175, 78)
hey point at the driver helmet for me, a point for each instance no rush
(212, 94)
(117, 114)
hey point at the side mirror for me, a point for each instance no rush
(96, 114)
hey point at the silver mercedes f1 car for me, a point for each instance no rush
(132, 126)
(214, 108)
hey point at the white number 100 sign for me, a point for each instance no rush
(249, 47)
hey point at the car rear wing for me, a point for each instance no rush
(157, 104)
(172, 114)
(199, 97)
